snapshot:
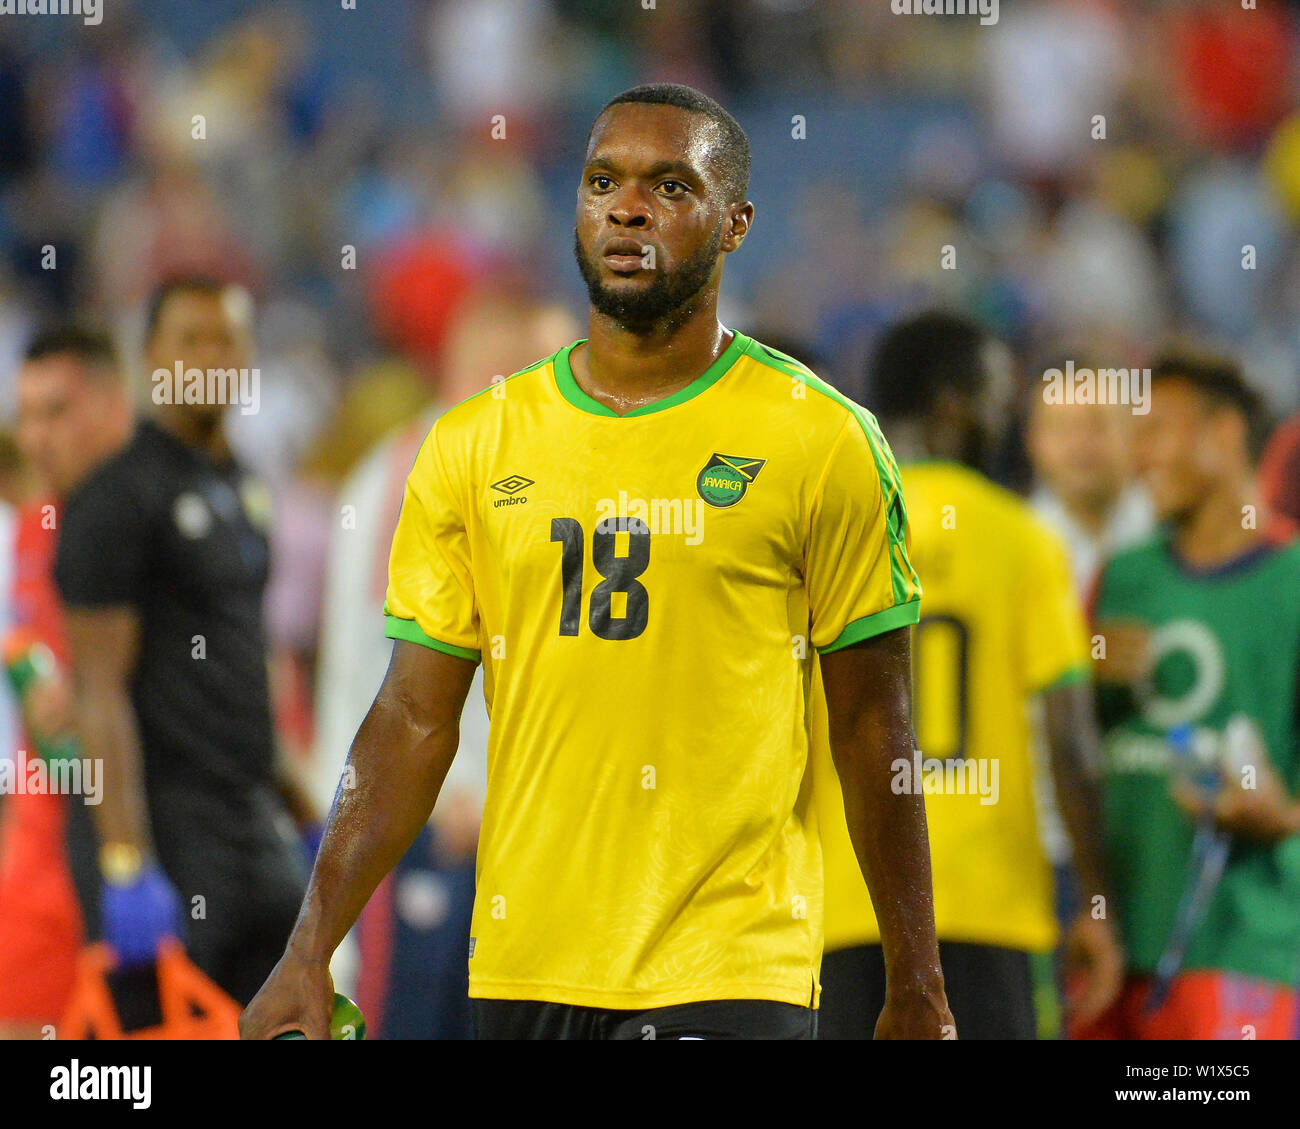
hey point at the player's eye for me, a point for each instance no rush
(673, 187)
(600, 182)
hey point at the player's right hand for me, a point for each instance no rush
(297, 996)
(139, 913)
(916, 1014)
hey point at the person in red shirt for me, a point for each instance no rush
(73, 412)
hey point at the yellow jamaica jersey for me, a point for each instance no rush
(648, 593)
(1001, 622)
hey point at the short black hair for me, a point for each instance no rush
(1219, 379)
(88, 344)
(918, 358)
(733, 155)
(200, 284)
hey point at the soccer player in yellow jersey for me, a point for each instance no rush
(647, 539)
(1001, 623)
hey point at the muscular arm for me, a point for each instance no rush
(105, 646)
(868, 696)
(397, 764)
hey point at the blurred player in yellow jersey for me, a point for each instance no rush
(1000, 624)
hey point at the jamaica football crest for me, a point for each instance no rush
(725, 478)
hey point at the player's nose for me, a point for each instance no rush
(629, 210)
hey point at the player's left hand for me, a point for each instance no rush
(1094, 960)
(916, 1014)
(1264, 813)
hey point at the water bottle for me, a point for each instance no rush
(29, 662)
(346, 1021)
(1197, 759)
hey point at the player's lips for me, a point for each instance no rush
(624, 255)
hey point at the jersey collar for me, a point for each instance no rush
(1224, 570)
(571, 391)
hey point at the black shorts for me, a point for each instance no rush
(990, 991)
(708, 1019)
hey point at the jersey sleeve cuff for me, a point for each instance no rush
(900, 615)
(410, 631)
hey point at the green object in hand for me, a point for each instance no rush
(346, 1021)
(28, 662)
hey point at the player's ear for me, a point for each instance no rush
(736, 225)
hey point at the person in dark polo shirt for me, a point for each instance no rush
(162, 564)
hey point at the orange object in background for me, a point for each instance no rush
(40, 919)
(193, 1007)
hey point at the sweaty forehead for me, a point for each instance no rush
(634, 134)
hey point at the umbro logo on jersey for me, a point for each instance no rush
(725, 478)
(512, 486)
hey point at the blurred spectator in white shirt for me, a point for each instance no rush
(1082, 458)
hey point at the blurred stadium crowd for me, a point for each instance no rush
(1085, 178)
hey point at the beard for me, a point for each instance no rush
(665, 303)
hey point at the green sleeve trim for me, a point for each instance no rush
(409, 631)
(906, 584)
(1075, 676)
(900, 615)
